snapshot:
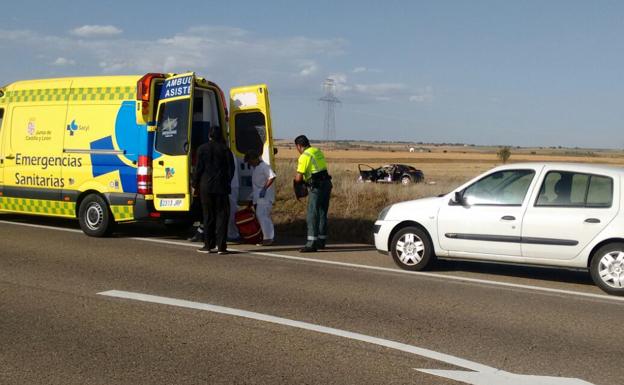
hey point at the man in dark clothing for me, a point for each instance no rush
(212, 176)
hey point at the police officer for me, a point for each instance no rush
(312, 169)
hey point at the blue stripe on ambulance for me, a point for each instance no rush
(106, 163)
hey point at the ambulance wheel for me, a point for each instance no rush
(95, 217)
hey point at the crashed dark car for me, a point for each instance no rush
(390, 173)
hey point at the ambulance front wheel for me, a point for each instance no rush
(95, 217)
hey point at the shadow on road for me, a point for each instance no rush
(516, 271)
(292, 244)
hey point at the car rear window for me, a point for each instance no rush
(570, 189)
(600, 192)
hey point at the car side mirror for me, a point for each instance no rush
(458, 199)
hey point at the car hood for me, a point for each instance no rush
(407, 209)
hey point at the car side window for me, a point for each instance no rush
(502, 188)
(600, 191)
(570, 189)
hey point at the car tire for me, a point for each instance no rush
(406, 180)
(607, 268)
(95, 217)
(411, 249)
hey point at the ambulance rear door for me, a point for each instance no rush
(250, 130)
(171, 164)
(2, 144)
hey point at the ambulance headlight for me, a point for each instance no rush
(383, 213)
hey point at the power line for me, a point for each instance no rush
(330, 100)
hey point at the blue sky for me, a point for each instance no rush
(529, 73)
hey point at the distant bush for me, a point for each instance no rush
(504, 153)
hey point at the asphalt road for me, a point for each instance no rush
(61, 324)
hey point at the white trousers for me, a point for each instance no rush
(263, 213)
(232, 229)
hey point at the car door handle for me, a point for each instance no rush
(508, 218)
(592, 220)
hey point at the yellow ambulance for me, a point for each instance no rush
(112, 149)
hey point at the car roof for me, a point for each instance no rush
(566, 166)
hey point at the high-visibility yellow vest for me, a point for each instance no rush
(310, 162)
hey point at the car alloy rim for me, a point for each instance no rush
(94, 216)
(611, 269)
(410, 249)
(405, 180)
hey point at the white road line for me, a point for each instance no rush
(300, 325)
(538, 289)
(480, 375)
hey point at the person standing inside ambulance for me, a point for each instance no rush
(233, 234)
(263, 191)
(212, 176)
(312, 169)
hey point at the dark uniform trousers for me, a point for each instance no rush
(318, 205)
(216, 210)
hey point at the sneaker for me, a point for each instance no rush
(205, 250)
(266, 242)
(197, 237)
(308, 249)
(223, 252)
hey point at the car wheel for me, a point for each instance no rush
(411, 249)
(607, 268)
(406, 180)
(95, 217)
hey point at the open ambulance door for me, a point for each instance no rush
(250, 129)
(171, 163)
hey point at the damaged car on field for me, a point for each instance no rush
(390, 173)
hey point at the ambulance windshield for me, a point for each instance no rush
(172, 130)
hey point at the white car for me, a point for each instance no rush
(556, 214)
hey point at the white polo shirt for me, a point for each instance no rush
(261, 174)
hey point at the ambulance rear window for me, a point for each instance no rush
(172, 129)
(250, 132)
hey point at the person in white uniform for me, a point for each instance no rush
(233, 234)
(262, 180)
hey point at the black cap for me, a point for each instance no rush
(215, 133)
(302, 140)
(251, 155)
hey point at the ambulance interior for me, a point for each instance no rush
(205, 118)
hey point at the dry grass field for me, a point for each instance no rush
(354, 206)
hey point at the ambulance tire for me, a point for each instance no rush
(95, 217)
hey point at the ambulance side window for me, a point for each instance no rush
(1, 116)
(250, 132)
(172, 128)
